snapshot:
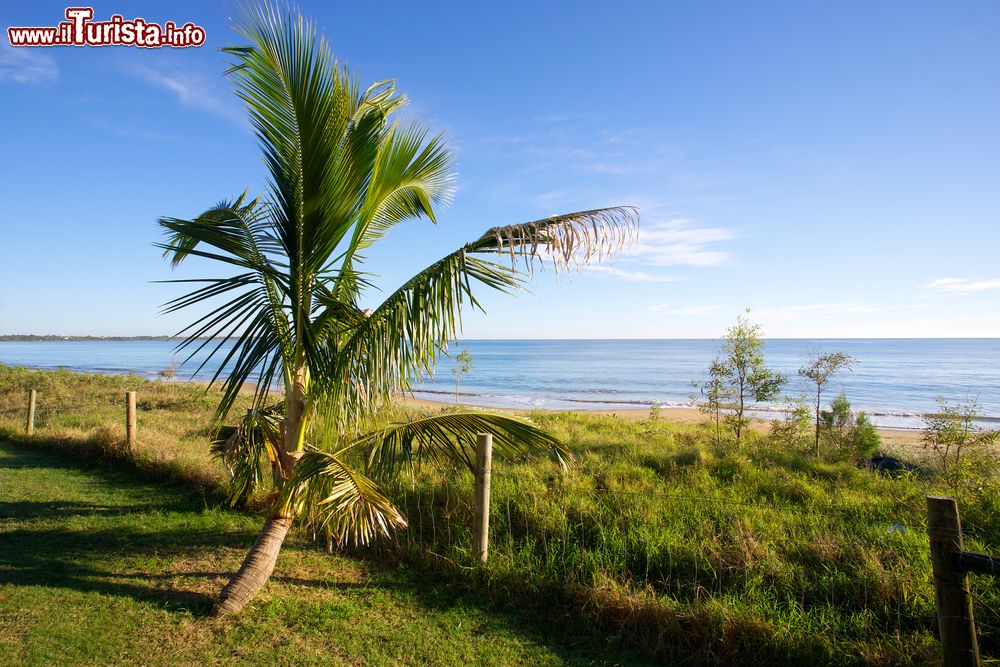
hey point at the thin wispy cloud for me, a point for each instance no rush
(555, 118)
(631, 276)
(681, 243)
(131, 132)
(771, 315)
(27, 65)
(963, 285)
(685, 311)
(554, 199)
(544, 155)
(195, 90)
(789, 312)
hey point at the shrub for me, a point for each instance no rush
(961, 445)
(851, 435)
(794, 431)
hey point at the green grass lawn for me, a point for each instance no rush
(98, 567)
(656, 541)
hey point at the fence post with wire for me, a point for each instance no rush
(951, 565)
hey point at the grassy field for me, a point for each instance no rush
(100, 567)
(656, 541)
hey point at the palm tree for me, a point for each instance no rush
(343, 170)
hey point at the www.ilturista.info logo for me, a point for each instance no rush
(80, 30)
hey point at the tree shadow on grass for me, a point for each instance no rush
(591, 626)
(63, 539)
(64, 509)
(21, 452)
(170, 562)
(113, 464)
(132, 551)
(545, 618)
(99, 561)
(127, 546)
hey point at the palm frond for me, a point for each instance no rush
(411, 174)
(245, 447)
(338, 498)
(255, 318)
(320, 134)
(452, 437)
(567, 240)
(410, 177)
(240, 229)
(406, 335)
(403, 338)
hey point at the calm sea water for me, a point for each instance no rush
(895, 380)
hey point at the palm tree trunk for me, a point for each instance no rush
(256, 568)
(259, 563)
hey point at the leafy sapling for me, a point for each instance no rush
(742, 368)
(463, 364)
(818, 370)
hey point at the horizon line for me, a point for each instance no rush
(10, 338)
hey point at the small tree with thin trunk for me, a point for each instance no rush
(818, 370)
(463, 364)
(743, 369)
(715, 395)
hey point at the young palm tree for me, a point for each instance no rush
(342, 173)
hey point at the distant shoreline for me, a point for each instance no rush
(53, 338)
(18, 338)
(763, 413)
(891, 437)
(897, 385)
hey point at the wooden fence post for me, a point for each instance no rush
(29, 424)
(481, 516)
(130, 422)
(951, 585)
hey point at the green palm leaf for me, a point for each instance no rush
(244, 448)
(406, 335)
(339, 499)
(254, 318)
(452, 437)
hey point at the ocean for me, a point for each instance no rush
(894, 380)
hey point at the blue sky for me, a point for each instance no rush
(832, 166)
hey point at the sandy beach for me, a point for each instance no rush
(890, 437)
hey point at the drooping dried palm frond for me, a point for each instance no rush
(567, 240)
